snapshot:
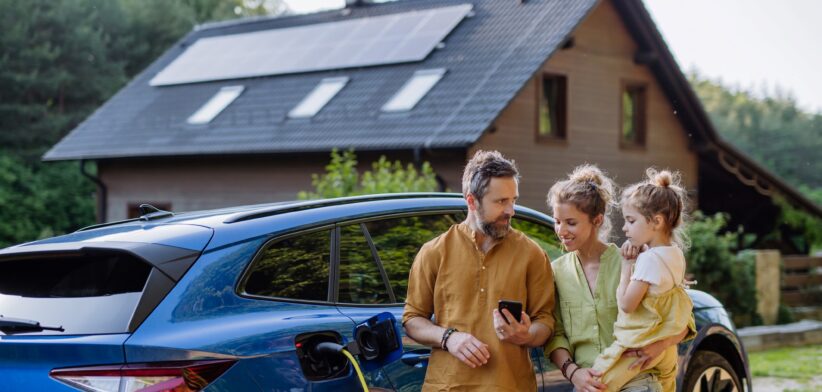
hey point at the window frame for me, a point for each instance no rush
(640, 114)
(239, 288)
(371, 245)
(562, 108)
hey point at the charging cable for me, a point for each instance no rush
(329, 347)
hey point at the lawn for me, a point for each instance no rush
(790, 362)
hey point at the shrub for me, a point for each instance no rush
(720, 271)
(341, 178)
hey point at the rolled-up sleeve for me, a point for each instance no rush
(541, 297)
(419, 301)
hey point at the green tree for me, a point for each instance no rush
(41, 201)
(771, 129)
(59, 61)
(341, 178)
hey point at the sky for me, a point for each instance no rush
(753, 45)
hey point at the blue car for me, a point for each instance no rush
(234, 299)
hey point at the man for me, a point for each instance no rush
(460, 276)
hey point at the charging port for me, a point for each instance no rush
(317, 366)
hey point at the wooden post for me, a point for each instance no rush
(768, 278)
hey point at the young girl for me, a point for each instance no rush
(586, 280)
(653, 304)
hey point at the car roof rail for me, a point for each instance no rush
(307, 204)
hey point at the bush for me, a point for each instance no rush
(341, 178)
(720, 271)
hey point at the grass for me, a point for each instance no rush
(799, 363)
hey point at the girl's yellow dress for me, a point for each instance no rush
(658, 316)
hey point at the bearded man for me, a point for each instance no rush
(460, 276)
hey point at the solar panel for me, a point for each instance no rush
(378, 40)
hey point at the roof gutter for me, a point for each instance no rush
(102, 192)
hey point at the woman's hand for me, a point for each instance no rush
(587, 380)
(646, 355)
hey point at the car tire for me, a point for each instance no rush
(711, 372)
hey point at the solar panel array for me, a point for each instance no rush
(389, 39)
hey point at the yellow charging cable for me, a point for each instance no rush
(357, 369)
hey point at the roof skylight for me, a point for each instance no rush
(318, 98)
(216, 104)
(414, 89)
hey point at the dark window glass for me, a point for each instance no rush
(360, 279)
(399, 239)
(633, 116)
(295, 268)
(66, 290)
(553, 100)
(542, 234)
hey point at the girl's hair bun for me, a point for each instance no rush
(663, 178)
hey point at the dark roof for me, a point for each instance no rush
(489, 56)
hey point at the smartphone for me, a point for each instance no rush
(515, 307)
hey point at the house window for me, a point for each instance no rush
(414, 90)
(552, 93)
(134, 208)
(632, 128)
(216, 105)
(318, 98)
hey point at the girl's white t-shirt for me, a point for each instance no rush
(649, 268)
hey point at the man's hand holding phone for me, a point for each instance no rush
(518, 330)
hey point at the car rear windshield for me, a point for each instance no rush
(85, 294)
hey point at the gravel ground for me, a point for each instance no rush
(775, 384)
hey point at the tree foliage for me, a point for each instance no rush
(773, 130)
(341, 178)
(59, 61)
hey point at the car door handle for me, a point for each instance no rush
(416, 358)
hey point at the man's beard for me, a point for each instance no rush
(494, 229)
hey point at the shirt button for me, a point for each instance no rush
(483, 267)
(482, 290)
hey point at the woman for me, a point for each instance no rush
(586, 280)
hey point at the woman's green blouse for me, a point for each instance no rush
(585, 320)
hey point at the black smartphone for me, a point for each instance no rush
(515, 307)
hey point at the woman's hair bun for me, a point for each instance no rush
(587, 173)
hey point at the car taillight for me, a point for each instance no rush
(148, 377)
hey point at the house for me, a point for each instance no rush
(245, 111)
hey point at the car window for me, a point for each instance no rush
(295, 268)
(64, 290)
(399, 239)
(542, 234)
(360, 279)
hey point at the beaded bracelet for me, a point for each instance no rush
(564, 367)
(571, 379)
(445, 336)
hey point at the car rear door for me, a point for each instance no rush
(375, 257)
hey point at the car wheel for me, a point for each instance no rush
(710, 372)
